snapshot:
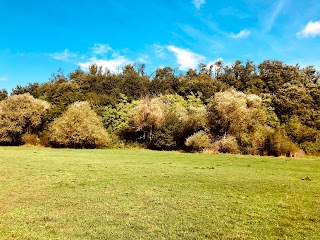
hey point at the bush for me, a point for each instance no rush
(227, 144)
(78, 127)
(164, 139)
(198, 141)
(20, 114)
(280, 145)
(31, 139)
(311, 148)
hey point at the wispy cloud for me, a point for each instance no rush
(242, 34)
(4, 77)
(144, 58)
(159, 50)
(312, 29)
(101, 49)
(66, 55)
(196, 33)
(270, 20)
(185, 58)
(198, 3)
(96, 55)
(114, 65)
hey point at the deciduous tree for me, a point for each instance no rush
(78, 127)
(20, 114)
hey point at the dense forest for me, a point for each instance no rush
(267, 109)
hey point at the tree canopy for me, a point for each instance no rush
(20, 114)
(243, 106)
(78, 127)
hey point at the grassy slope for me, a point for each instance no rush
(140, 194)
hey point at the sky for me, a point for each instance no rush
(39, 37)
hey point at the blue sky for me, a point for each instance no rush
(38, 37)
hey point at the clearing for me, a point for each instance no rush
(140, 194)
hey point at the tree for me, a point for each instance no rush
(298, 132)
(164, 82)
(78, 127)
(116, 118)
(147, 117)
(3, 94)
(60, 94)
(293, 99)
(20, 114)
(134, 85)
(165, 122)
(32, 88)
(240, 115)
(200, 83)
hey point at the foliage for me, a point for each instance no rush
(3, 94)
(20, 114)
(227, 144)
(299, 132)
(194, 82)
(198, 141)
(267, 105)
(78, 127)
(242, 99)
(135, 84)
(311, 148)
(164, 82)
(293, 99)
(115, 118)
(165, 121)
(240, 115)
(279, 145)
(30, 139)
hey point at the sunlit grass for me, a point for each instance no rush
(140, 194)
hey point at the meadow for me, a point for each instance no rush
(141, 194)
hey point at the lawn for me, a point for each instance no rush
(139, 194)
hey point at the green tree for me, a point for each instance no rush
(293, 99)
(31, 88)
(134, 84)
(164, 82)
(193, 83)
(116, 118)
(3, 94)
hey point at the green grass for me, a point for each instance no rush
(140, 194)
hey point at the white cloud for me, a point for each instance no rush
(312, 29)
(4, 77)
(198, 3)
(63, 56)
(101, 49)
(185, 58)
(114, 65)
(242, 34)
(96, 55)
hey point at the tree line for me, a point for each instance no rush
(271, 108)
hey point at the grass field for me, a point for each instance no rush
(139, 194)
